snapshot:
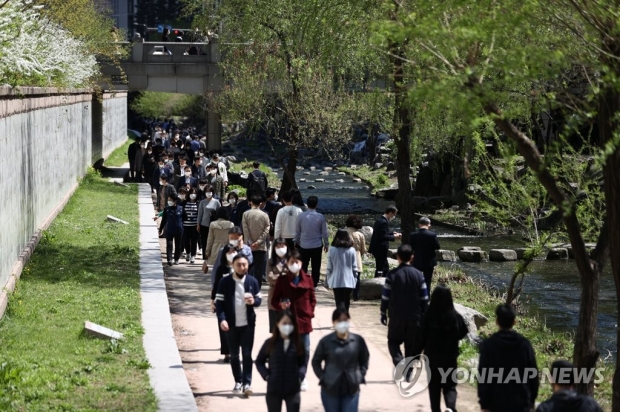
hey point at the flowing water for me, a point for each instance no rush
(551, 288)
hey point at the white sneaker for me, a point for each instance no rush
(192, 260)
(304, 385)
(238, 387)
(448, 410)
(247, 390)
(176, 262)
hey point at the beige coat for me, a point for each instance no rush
(359, 244)
(256, 224)
(218, 238)
(273, 273)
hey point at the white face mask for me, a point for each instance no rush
(192, 196)
(295, 268)
(211, 172)
(188, 174)
(161, 182)
(209, 195)
(286, 330)
(170, 203)
(342, 327)
(230, 257)
(202, 187)
(281, 251)
(275, 198)
(182, 197)
(235, 243)
(232, 201)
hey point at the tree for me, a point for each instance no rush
(155, 105)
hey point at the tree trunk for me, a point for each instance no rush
(288, 179)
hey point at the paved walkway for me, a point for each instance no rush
(211, 379)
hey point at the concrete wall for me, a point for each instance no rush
(47, 142)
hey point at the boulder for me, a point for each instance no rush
(371, 288)
(392, 253)
(311, 187)
(319, 180)
(557, 253)
(445, 255)
(302, 180)
(357, 180)
(502, 255)
(472, 254)
(300, 168)
(367, 232)
(474, 321)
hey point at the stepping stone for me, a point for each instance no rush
(311, 187)
(307, 173)
(117, 220)
(357, 180)
(312, 168)
(502, 255)
(339, 181)
(324, 174)
(342, 174)
(319, 180)
(445, 255)
(472, 254)
(99, 331)
(328, 169)
(302, 180)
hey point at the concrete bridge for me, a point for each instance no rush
(188, 68)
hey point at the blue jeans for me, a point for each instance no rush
(241, 337)
(348, 403)
(305, 337)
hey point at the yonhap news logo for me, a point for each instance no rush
(408, 375)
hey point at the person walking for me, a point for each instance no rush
(276, 267)
(235, 238)
(256, 232)
(286, 220)
(237, 296)
(340, 362)
(172, 225)
(404, 301)
(190, 222)
(354, 224)
(311, 238)
(224, 269)
(442, 329)
(218, 235)
(286, 356)
(507, 352)
(565, 398)
(341, 268)
(425, 244)
(221, 168)
(165, 190)
(380, 241)
(207, 210)
(295, 291)
(186, 180)
(132, 150)
(257, 181)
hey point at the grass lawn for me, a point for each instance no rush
(548, 345)
(85, 268)
(377, 179)
(119, 156)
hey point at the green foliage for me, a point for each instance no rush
(166, 105)
(119, 156)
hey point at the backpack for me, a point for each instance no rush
(257, 182)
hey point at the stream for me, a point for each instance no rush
(551, 288)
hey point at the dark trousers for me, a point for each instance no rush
(132, 170)
(259, 265)
(223, 342)
(436, 386)
(177, 240)
(312, 256)
(241, 337)
(290, 244)
(356, 291)
(399, 332)
(190, 240)
(204, 234)
(343, 297)
(274, 402)
(382, 266)
(272, 320)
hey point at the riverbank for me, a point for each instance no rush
(375, 178)
(548, 345)
(84, 269)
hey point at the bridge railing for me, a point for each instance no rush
(173, 52)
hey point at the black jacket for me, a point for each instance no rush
(286, 370)
(439, 338)
(225, 299)
(222, 271)
(569, 401)
(424, 243)
(381, 236)
(508, 350)
(404, 296)
(346, 363)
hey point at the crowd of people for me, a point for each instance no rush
(277, 240)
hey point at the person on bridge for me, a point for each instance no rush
(256, 232)
(565, 398)
(341, 268)
(286, 220)
(172, 224)
(311, 238)
(404, 300)
(425, 244)
(380, 241)
(286, 356)
(224, 269)
(237, 296)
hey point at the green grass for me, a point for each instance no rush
(377, 179)
(85, 268)
(119, 156)
(548, 345)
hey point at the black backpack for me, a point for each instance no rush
(257, 182)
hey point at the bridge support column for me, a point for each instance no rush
(214, 130)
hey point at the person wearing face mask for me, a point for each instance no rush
(341, 362)
(179, 168)
(276, 267)
(187, 181)
(216, 181)
(218, 234)
(207, 210)
(190, 221)
(149, 165)
(233, 199)
(133, 148)
(198, 169)
(285, 354)
(380, 241)
(256, 231)
(224, 269)
(295, 291)
(172, 223)
(203, 185)
(235, 238)
(165, 191)
(341, 268)
(237, 296)
(286, 220)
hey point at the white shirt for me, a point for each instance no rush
(287, 342)
(241, 311)
(222, 169)
(286, 222)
